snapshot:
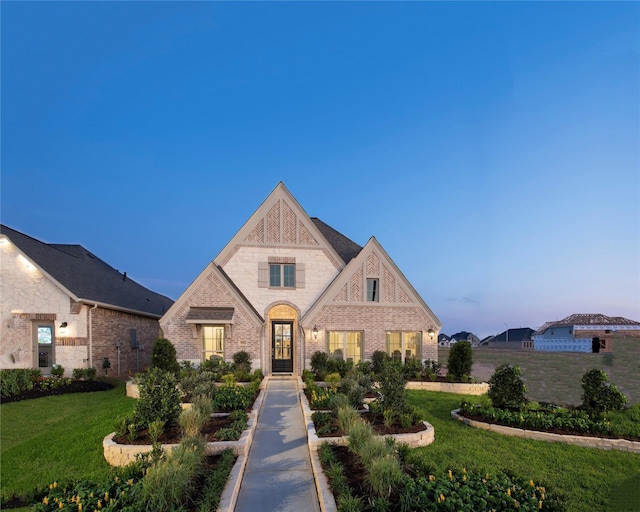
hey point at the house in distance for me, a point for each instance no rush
(288, 285)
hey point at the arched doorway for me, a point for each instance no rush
(283, 340)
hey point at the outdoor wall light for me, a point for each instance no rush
(314, 331)
(63, 325)
(431, 333)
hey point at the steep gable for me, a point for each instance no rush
(372, 262)
(280, 221)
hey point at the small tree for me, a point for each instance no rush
(506, 387)
(159, 398)
(163, 356)
(378, 359)
(393, 395)
(600, 395)
(460, 360)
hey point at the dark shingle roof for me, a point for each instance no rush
(347, 249)
(520, 334)
(87, 276)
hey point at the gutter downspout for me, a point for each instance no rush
(91, 335)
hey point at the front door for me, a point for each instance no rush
(282, 347)
(45, 344)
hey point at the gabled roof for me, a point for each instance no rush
(519, 334)
(464, 335)
(86, 277)
(346, 248)
(588, 319)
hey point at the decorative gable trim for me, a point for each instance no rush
(279, 222)
(350, 286)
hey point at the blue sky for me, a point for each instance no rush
(491, 148)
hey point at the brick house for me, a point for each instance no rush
(584, 333)
(288, 285)
(61, 304)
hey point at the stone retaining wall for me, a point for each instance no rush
(479, 388)
(601, 443)
(123, 454)
(422, 438)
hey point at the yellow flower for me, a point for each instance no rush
(464, 478)
(486, 476)
(106, 496)
(79, 507)
(50, 486)
(99, 505)
(45, 500)
(432, 478)
(509, 491)
(464, 470)
(516, 504)
(450, 475)
(540, 505)
(130, 481)
(60, 505)
(531, 483)
(55, 484)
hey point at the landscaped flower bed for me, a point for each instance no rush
(363, 485)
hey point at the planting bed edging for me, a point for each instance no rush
(133, 389)
(123, 454)
(422, 438)
(602, 443)
(461, 388)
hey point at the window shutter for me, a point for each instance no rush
(300, 275)
(263, 274)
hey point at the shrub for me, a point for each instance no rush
(163, 356)
(506, 387)
(155, 430)
(460, 359)
(13, 382)
(191, 421)
(159, 398)
(392, 393)
(57, 370)
(364, 367)
(432, 367)
(600, 395)
(242, 362)
(354, 391)
(199, 383)
(412, 368)
(333, 379)
(378, 358)
(319, 361)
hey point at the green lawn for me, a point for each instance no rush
(590, 479)
(57, 438)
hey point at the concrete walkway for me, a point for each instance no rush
(278, 475)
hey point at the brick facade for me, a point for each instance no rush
(332, 296)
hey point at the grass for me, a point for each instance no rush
(555, 376)
(55, 438)
(589, 479)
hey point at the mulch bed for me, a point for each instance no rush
(377, 423)
(76, 386)
(173, 434)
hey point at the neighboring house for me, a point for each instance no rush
(465, 336)
(520, 338)
(288, 285)
(583, 333)
(443, 340)
(61, 304)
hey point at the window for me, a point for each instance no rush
(276, 273)
(212, 341)
(372, 290)
(346, 346)
(404, 345)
